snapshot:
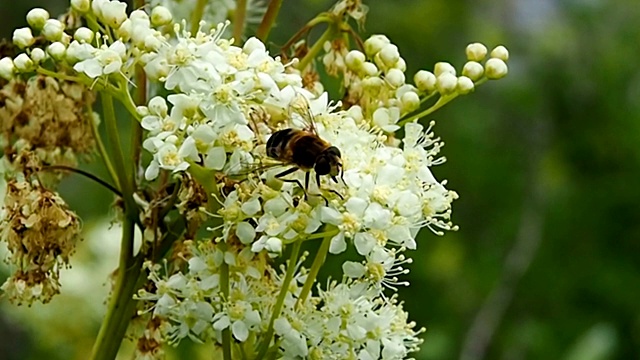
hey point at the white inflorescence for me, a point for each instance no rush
(223, 103)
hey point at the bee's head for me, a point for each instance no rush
(328, 163)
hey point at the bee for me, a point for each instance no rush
(305, 150)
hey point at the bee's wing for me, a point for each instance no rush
(255, 168)
(302, 108)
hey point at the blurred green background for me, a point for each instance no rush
(546, 264)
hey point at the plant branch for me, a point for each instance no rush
(226, 333)
(196, 16)
(268, 20)
(238, 20)
(291, 267)
(319, 259)
(85, 174)
(317, 47)
(112, 329)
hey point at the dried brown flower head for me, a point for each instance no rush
(46, 116)
(41, 233)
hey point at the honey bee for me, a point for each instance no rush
(305, 150)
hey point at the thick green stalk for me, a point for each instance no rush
(121, 304)
(112, 329)
(317, 47)
(291, 267)
(226, 333)
(196, 16)
(268, 20)
(318, 261)
(103, 152)
(238, 20)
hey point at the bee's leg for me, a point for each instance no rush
(337, 193)
(326, 201)
(306, 184)
(290, 171)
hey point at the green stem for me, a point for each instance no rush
(442, 101)
(321, 256)
(59, 76)
(120, 305)
(291, 267)
(141, 99)
(226, 333)
(103, 152)
(317, 47)
(85, 174)
(268, 20)
(123, 171)
(305, 29)
(196, 16)
(238, 20)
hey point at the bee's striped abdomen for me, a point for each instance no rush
(277, 143)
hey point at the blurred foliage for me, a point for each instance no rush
(558, 140)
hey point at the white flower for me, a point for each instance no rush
(6, 68)
(37, 17)
(23, 38)
(105, 61)
(53, 30)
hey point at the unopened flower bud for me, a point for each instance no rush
(500, 52)
(53, 30)
(142, 110)
(395, 78)
(83, 35)
(355, 59)
(465, 85)
(152, 43)
(23, 38)
(38, 55)
(158, 106)
(425, 81)
(253, 44)
(372, 84)
(446, 83)
(125, 30)
(160, 16)
(400, 65)
(139, 15)
(23, 62)
(114, 13)
(389, 55)
(36, 18)
(81, 6)
(410, 101)
(495, 68)
(476, 52)
(473, 70)
(57, 50)
(369, 69)
(6, 68)
(443, 67)
(374, 44)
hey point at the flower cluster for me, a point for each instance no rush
(219, 156)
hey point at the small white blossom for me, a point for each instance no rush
(53, 30)
(495, 68)
(500, 52)
(23, 38)
(7, 68)
(37, 17)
